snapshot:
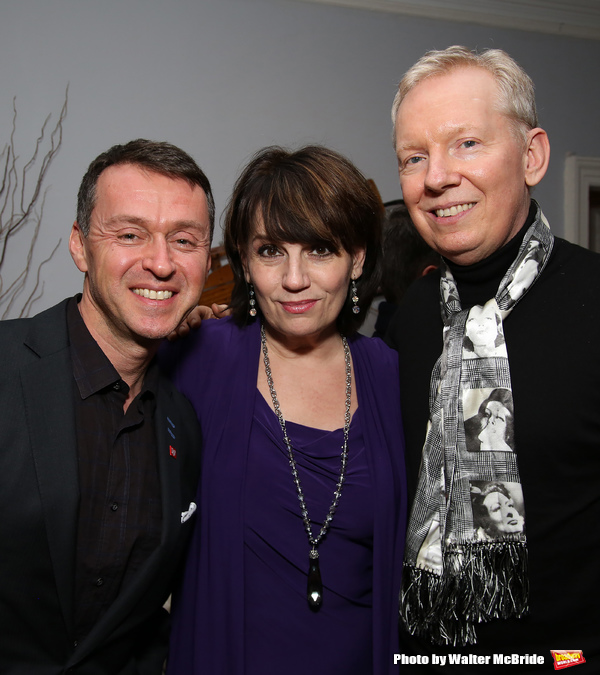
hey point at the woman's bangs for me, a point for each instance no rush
(285, 222)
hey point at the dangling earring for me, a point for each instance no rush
(354, 296)
(252, 301)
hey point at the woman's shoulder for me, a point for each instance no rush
(373, 348)
(204, 364)
(376, 364)
(214, 334)
(205, 345)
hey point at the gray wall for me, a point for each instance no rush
(222, 78)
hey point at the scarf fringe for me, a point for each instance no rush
(481, 581)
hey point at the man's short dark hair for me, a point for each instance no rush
(157, 156)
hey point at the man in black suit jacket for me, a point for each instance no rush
(100, 455)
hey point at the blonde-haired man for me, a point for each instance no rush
(469, 151)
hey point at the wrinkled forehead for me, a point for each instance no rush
(448, 100)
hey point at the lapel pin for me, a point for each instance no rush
(172, 451)
(171, 434)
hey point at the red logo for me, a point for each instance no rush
(172, 451)
(565, 658)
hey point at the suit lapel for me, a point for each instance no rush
(167, 439)
(48, 393)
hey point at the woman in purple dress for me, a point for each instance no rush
(295, 563)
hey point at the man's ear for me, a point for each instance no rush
(537, 156)
(358, 261)
(428, 270)
(77, 248)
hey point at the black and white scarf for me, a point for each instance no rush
(466, 549)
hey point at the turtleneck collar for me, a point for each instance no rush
(479, 282)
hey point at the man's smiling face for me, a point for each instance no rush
(463, 166)
(146, 256)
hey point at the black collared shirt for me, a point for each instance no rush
(120, 505)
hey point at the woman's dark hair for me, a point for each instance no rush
(311, 196)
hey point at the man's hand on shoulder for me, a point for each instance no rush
(195, 318)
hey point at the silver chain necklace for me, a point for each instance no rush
(315, 585)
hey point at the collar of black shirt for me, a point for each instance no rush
(92, 369)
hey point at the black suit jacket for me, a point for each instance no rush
(39, 497)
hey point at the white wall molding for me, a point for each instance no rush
(581, 174)
(575, 18)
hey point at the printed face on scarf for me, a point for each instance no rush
(494, 423)
(465, 171)
(527, 273)
(481, 327)
(503, 516)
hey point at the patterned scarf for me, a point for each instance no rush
(466, 550)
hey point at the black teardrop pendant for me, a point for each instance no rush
(314, 586)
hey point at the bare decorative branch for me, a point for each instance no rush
(22, 197)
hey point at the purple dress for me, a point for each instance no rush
(275, 586)
(242, 607)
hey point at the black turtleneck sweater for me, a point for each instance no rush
(553, 343)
